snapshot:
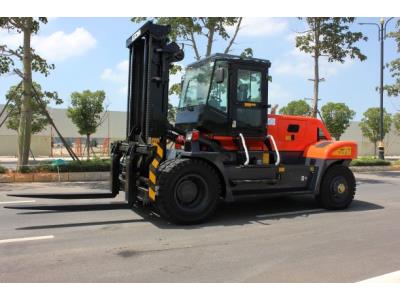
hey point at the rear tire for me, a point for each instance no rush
(188, 191)
(337, 188)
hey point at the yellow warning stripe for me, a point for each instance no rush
(152, 194)
(152, 177)
(155, 163)
(160, 151)
(153, 169)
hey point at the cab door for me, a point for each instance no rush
(249, 100)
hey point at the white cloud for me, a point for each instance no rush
(301, 64)
(256, 27)
(60, 46)
(119, 74)
(57, 46)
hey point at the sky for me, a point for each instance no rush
(90, 53)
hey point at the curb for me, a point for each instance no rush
(359, 169)
(54, 177)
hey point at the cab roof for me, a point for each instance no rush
(229, 57)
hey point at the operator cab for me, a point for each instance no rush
(225, 95)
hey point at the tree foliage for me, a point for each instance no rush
(188, 30)
(9, 56)
(332, 38)
(337, 117)
(296, 108)
(396, 122)
(39, 120)
(394, 65)
(370, 124)
(86, 112)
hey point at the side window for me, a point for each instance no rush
(320, 135)
(249, 86)
(219, 91)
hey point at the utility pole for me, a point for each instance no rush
(381, 37)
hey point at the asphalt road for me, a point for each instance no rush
(269, 240)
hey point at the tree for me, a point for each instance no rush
(337, 117)
(370, 125)
(396, 122)
(296, 108)
(332, 38)
(39, 121)
(171, 113)
(31, 62)
(86, 111)
(394, 89)
(188, 30)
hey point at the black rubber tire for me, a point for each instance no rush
(195, 174)
(332, 195)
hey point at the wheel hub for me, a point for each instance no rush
(187, 191)
(191, 192)
(341, 188)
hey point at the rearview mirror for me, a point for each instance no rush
(219, 75)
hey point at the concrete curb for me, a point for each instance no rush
(54, 177)
(359, 169)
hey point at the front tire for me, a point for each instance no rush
(337, 188)
(188, 190)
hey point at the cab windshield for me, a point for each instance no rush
(196, 85)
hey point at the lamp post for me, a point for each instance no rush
(381, 37)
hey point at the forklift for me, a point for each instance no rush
(224, 145)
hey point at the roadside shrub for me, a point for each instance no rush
(369, 161)
(3, 170)
(94, 165)
(26, 169)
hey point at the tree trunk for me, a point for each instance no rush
(228, 48)
(88, 146)
(210, 39)
(374, 149)
(25, 123)
(314, 109)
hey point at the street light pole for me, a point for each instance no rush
(381, 37)
(381, 147)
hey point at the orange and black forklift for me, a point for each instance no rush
(224, 145)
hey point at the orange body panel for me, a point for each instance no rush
(310, 137)
(332, 150)
(306, 135)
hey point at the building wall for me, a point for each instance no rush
(365, 147)
(40, 145)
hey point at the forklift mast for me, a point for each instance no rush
(150, 58)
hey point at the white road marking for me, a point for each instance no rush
(17, 202)
(26, 239)
(298, 212)
(393, 277)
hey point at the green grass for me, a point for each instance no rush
(369, 161)
(3, 170)
(94, 165)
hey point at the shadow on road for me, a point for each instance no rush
(261, 210)
(47, 209)
(229, 214)
(82, 224)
